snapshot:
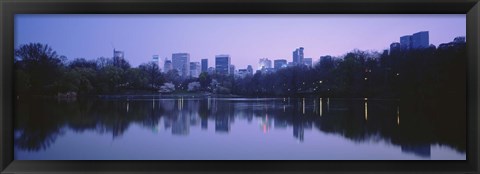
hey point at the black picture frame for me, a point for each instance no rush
(9, 8)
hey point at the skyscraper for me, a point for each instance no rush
(195, 69)
(327, 62)
(298, 56)
(250, 69)
(395, 47)
(420, 40)
(181, 62)
(167, 66)
(222, 64)
(264, 63)
(308, 61)
(156, 60)
(416, 41)
(204, 65)
(118, 57)
(405, 42)
(232, 69)
(279, 63)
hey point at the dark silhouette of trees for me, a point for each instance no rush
(36, 64)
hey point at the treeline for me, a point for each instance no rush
(421, 73)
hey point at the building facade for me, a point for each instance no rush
(279, 63)
(395, 48)
(308, 62)
(420, 40)
(250, 69)
(222, 64)
(181, 62)
(195, 69)
(232, 69)
(118, 57)
(298, 56)
(264, 63)
(204, 65)
(167, 66)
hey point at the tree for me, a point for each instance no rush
(154, 76)
(173, 76)
(204, 80)
(167, 88)
(83, 63)
(40, 63)
(193, 86)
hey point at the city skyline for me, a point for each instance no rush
(275, 37)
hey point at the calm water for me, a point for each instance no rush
(237, 128)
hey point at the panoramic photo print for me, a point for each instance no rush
(240, 87)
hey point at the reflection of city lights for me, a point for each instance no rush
(128, 103)
(303, 105)
(328, 104)
(398, 115)
(321, 107)
(366, 110)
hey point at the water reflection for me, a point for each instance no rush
(39, 122)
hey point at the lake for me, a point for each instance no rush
(204, 128)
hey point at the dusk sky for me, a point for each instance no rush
(246, 38)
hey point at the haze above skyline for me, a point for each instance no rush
(246, 38)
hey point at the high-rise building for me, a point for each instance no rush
(232, 69)
(416, 41)
(242, 73)
(204, 65)
(308, 61)
(155, 58)
(420, 40)
(279, 63)
(264, 63)
(167, 66)
(211, 70)
(195, 69)
(118, 57)
(181, 62)
(405, 42)
(250, 69)
(326, 62)
(298, 56)
(222, 64)
(395, 47)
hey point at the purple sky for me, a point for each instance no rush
(246, 38)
